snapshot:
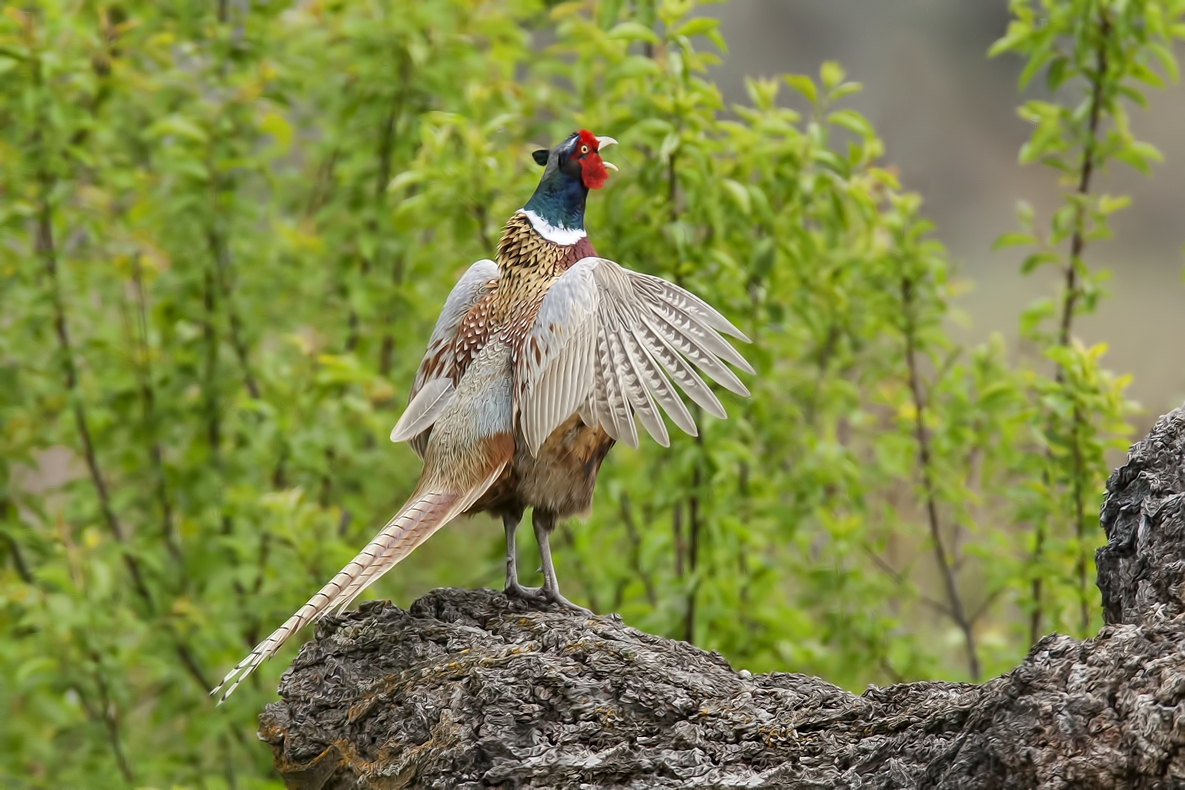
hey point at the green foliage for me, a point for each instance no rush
(226, 230)
(1107, 50)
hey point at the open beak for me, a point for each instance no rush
(604, 142)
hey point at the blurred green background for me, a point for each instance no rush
(226, 230)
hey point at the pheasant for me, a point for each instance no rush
(538, 364)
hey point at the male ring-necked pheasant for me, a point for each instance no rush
(537, 365)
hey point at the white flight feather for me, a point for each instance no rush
(428, 404)
(645, 339)
(472, 286)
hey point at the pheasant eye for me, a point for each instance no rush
(584, 149)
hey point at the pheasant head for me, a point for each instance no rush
(570, 170)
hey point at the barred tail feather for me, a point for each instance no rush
(397, 550)
(415, 523)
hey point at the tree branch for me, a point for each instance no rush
(925, 463)
(468, 688)
(46, 250)
(1069, 301)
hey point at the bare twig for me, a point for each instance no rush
(110, 716)
(46, 250)
(929, 489)
(694, 529)
(581, 571)
(220, 253)
(900, 579)
(631, 531)
(677, 534)
(386, 144)
(147, 394)
(18, 559)
(694, 525)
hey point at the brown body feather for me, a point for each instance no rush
(561, 478)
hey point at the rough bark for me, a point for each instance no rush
(467, 689)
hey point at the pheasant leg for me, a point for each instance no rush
(544, 523)
(513, 589)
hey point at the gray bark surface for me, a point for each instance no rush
(469, 690)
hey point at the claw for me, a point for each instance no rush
(554, 597)
(529, 594)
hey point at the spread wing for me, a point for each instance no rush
(436, 378)
(611, 344)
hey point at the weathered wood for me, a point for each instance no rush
(467, 689)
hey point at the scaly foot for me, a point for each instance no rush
(552, 596)
(528, 594)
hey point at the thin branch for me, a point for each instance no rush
(220, 253)
(148, 397)
(631, 531)
(18, 559)
(322, 183)
(386, 143)
(931, 496)
(694, 524)
(581, 572)
(900, 579)
(46, 250)
(986, 604)
(677, 534)
(1069, 302)
(110, 717)
(695, 527)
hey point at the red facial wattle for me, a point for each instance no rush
(592, 168)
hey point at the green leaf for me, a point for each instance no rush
(740, 194)
(1017, 33)
(1109, 204)
(278, 127)
(1059, 72)
(1168, 61)
(803, 84)
(1024, 214)
(670, 145)
(177, 125)
(852, 121)
(697, 27)
(846, 89)
(1015, 240)
(607, 13)
(1037, 260)
(1145, 75)
(633, 31)
(634, 66)
(831, 74)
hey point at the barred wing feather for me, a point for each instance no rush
(613, 344)
(439, 362)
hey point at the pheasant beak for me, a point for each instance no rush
(605, 142)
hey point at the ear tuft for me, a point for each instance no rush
(540, 157)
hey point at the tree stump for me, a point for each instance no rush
(469, 690)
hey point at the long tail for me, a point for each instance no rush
(423, 514)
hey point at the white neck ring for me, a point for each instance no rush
(564, 236)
